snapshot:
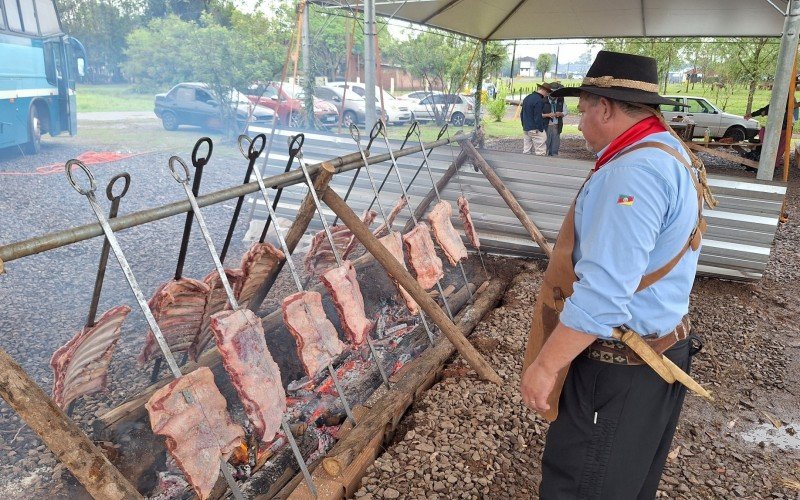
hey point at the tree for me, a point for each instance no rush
(544, 63)
(666, 51)
(753, 62)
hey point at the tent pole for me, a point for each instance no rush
(369, 62)
(780, 91)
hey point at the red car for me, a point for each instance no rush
(290, 108)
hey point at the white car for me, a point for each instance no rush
(413, 98)
(396, 111)
(457, 109)
(706, 116)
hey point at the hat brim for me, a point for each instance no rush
(619, 94)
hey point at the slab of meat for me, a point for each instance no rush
(345, 291)
(466, 219)
(178, 307)
(394, 243)
(401, 204)
(253, 372)
(257, 262)
(422, 256)
(217, 301)
(317, 340)
(199, 433)
(80, 366)
(320, 257)
(445, 234)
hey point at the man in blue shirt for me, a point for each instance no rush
(533, 123)
(625, 257)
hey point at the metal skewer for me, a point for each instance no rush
(394, 166)
(461, 188)
(184, 181)
(198, 164)
(137, 292)
(292, 154)
(357, 137)
(439, 198)
(358, 171)
(296, 276)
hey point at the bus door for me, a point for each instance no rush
(76, 61)
(56, 73)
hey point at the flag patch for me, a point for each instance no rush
(625, 199)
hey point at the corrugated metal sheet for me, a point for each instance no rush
(737, 244)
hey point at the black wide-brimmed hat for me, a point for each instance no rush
(624, 77)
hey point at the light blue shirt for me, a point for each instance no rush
(632, 217)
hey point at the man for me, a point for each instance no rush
(626, 255)
(555, 109)
(781, 142)
(533, 123)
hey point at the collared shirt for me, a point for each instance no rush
(554, 106)
(531, 113)
(632, 217)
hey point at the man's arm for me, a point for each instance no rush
(557, 353)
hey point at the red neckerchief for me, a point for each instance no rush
(639, 131)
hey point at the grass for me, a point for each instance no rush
(117, 97)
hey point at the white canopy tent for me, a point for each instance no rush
(537, 19)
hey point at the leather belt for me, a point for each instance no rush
(615, 352)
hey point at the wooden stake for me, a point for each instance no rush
(787, 145)
(722, 154)
(69, 444)
(401, 275)
(440, 185)
(507, 196)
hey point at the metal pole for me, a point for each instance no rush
(369, 61)
(479, 86)
(307, 76)
(780, 92)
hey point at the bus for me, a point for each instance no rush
(38, 68)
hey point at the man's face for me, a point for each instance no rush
(590, 123)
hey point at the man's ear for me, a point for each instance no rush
(607, 108)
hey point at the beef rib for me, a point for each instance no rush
(342, 285)
(317, 340)
(444, 232)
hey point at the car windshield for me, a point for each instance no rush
(238, 98)
(294, 92)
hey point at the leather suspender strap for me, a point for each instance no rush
(699, 229)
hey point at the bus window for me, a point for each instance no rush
(12, 13)
(2, 22)
(28, 18)
(48, 19)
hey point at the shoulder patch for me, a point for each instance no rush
(625, 199)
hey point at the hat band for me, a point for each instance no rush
(610, 81)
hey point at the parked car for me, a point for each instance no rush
(289, 103)
(355, 107)
(413, 98)
(396, 112)
(457, 109)
(706, 116)
(194, 103)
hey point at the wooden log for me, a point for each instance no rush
(69, 444)
(401, 275)
(298, 229)
(507, 196)
(440, 185)
(351, 456)
(722, 154)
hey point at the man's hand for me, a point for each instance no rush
(537, 384)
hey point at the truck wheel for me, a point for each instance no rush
(457, 119)
(34, 144)
(169, 120)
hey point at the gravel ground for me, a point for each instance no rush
(464, 438)
(469, 439)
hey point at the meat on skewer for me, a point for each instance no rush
(178, 307)
(444, 232)
(466, 219)
(342, 284)
(80, 366)
(422, 256)
(394, 243)
(198, 433)
(217, 301)
(386, 225)
(318, 342)
(257, 262)
(253, 372)
(320, 257)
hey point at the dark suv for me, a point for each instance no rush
(196, 104)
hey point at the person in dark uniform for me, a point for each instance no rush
(625, 257)
(533, 123)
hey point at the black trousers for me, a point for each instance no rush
(613, 431)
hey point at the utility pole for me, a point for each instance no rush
(558, 51)
(780, 92)
(369, 62)
(308, 80)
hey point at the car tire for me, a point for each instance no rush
(736, 133)
(34, 144)
(348, 118)
(169, 121)
(458, 119)
(294, 119)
